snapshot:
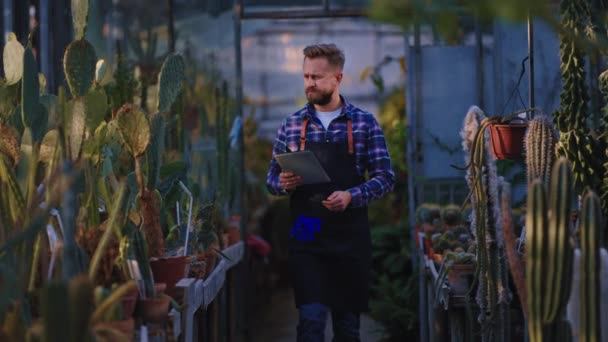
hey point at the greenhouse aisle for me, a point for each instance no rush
(278, 322)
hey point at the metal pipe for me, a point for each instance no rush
(244, 274)
(305, 14)
(531, 63)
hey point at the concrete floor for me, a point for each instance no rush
(279, 320)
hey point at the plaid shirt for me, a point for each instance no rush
(371, 153)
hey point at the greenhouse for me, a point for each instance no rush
(321, 170)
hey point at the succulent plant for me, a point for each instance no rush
(172, 75)
(12, 58)
(540, 141)
(79, 62)
(591, 227)
(549, 251)
(80, 16)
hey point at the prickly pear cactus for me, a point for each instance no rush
(96, 108)
(157, 128)
(77, 127)
(12, 57)
(33, 114)
(79, 63)
(100, 70)
(591, 227)
(80, 15)
(171, 77)
(134, 128)
(540, 141)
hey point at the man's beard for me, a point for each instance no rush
(319, 98)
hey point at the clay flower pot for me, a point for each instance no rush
(155, 310)
(128, 303)
(507, 140)
(170, 270)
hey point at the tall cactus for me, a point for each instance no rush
(540, 148)
(549, 249)
(591, 227)
(486, 224)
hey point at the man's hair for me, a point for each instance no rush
(331, 52)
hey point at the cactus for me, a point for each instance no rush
(77, 127)
(55, 312)
(96, 108)
(549, 249)
(155, 149)
(486, 226)
(140, 249)
(80, 308)
(171, 77)
(33, 113)
(80, 16)
(9, 144)
(79, 63)
(540, 148)
(12, 58)
(101, 68)
(591, 227)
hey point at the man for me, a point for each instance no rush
(330, 243)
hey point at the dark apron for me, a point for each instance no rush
(330, 252)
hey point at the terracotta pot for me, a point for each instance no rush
(234, 235)
(154, 310)
(210, 260)
(225, 240)
(169, 271)
(127, 326)
(507, 141)
(128, 303)
(459, 278)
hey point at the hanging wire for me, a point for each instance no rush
(516, 89)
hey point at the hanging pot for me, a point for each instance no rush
(507, 140)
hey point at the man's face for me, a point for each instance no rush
(320, 80)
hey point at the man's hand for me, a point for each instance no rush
(289, 181)
(337, 201)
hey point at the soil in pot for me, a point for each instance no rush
(170, 270)
(507, 141)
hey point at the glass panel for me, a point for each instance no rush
(358, 4)
(282, 3)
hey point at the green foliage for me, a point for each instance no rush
(155, 149)
(393, 300)
(549, 251)
(540, 143)
(124, 87)
(591, 235)
(96, 103)
(171, 77)
(79, 63)
(33, 113)
(134, 128)
(80, 16)
(12, 58)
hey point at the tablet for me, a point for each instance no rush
(304, 164)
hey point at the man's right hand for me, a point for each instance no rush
(289, 181)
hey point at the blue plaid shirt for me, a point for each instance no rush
(371, 153)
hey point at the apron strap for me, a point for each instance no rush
(349, 132)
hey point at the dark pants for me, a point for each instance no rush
(311, 327)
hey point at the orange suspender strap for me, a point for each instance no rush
(303, 134)
(349, 132)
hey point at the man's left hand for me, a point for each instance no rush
(337, 201)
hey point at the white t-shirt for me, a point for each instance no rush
(327, 117)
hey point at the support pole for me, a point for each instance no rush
(531, 63)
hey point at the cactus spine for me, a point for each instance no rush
(591, 237)
(486, 223)
(540, 148)
(549, 249)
